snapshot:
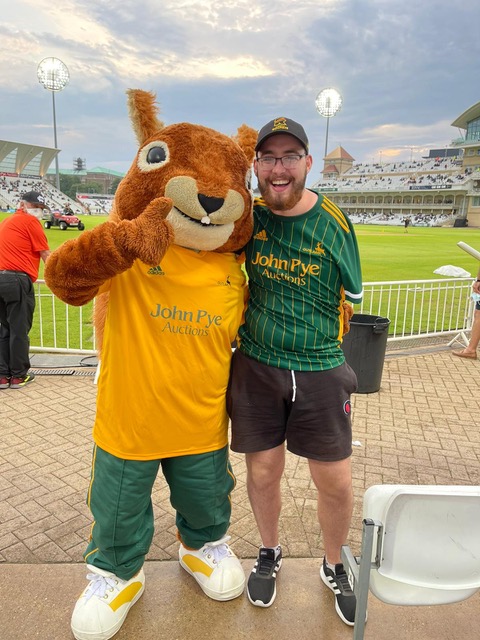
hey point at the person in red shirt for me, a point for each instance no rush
(22, 244)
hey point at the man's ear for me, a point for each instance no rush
(309, 162)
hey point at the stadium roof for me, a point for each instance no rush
(84, 172)
(467, 116)
(339, 153)
(107, 171)
(330, 169)
(68, 172)
(17, 157)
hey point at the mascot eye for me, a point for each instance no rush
(153, 156)
(156, 155)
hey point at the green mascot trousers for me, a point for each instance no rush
(120, 500)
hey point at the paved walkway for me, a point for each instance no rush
(422, 427)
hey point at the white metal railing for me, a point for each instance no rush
(415, 308)
(421, 308)
(59, 327)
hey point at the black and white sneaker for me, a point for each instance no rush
(345, 600)
(261, 589)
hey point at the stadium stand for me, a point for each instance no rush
(25, 167)
(431, 192)
(95, 204)
(440, 189)
(11, 188)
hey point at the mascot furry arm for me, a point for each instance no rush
(182, 188)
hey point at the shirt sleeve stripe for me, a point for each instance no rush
(355, 296)
(334, 211)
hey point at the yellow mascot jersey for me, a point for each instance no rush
(166, 355)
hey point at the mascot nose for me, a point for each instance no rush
(210, 204)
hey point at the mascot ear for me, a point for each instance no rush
(246, 139)
(143, 114)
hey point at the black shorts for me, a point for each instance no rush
(310, 410)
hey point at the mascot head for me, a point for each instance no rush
(205, 173)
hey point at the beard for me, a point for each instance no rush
(36, 213)
(282, 201)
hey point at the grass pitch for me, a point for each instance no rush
(387, 253)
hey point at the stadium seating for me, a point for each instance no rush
(420, 546)
(431, 192)
(11, 188)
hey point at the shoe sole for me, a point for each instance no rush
(260, 603)
(327, 583)
(108, 633)
(215, 595)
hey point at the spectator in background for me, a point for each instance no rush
(22, 244)
(470, 350)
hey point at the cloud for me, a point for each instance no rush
(402, 70)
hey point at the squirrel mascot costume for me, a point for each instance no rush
(170, 295)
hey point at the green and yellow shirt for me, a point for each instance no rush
(300, 269)
(166, 355)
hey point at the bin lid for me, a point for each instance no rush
(363, 318)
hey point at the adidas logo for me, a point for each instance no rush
(261, 235)
(225, 283)
(156, 271)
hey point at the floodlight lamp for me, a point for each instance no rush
(328, 102)
(53, 74)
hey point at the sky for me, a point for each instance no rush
(406, 70)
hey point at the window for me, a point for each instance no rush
(473, 130)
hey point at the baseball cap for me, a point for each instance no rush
(282, 125)
(33, 197)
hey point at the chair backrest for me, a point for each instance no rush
(429, 546)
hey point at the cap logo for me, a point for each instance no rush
(41, 199)
(280, 124)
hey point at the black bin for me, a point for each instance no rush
(364, 347)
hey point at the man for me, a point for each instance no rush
(290, 381)
(22, 244)
(470, 350)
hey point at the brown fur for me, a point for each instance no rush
(347, 313)
(160, 203)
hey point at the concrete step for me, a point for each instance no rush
(37, 601)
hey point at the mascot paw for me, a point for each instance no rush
(150, 234)
(216, 569)
(347, 311)
(103, 606)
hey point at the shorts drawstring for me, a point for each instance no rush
(294, 386)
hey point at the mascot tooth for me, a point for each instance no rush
(169, 294)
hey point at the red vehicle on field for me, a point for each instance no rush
(62, 220)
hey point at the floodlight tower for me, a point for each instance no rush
(328, 103)
(54, 76)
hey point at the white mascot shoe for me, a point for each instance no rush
(103, 606)
(216, 569)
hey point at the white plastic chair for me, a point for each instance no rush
(420, 546)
